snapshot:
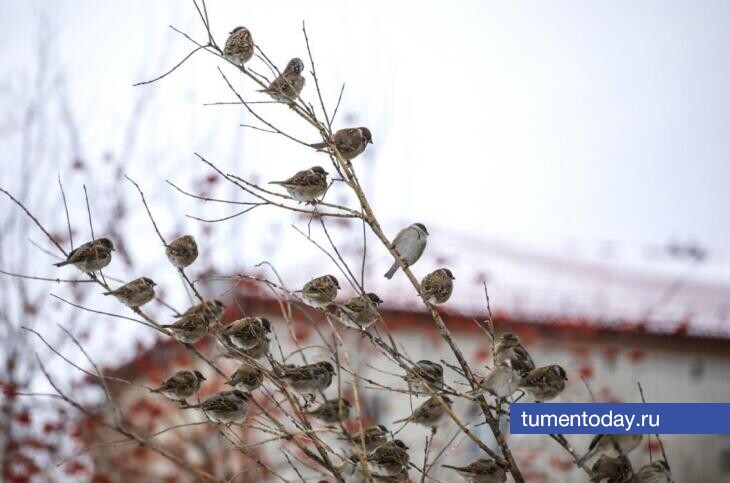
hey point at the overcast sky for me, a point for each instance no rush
(533, 121)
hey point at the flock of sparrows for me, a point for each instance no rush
(248, 338)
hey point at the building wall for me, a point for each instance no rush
(670, 369)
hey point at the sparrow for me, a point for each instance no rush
(287, 86)
(603, 444)
(310, 378)
(230, 350)
(438, 285)
(135, 293)
(389, 458)
(428, 414)
(611, 470)
(350, 142)
(181, 385)
(320, 292)
(372, 437)
(246, 378)
(225, 407)
(193, 325)
(90, 257)
(426, 374)
(409, 243)
(654, 473)
(361, 311)
(248, 332)
(510, 353)
(332, 412)
(545, 383)
(400, 477)
(307, 185)
(484, 470)
(182, 251)
(239, 46)
(501, 382)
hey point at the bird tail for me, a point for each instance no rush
(389, 274)
(277, 182)
(107, 293)
(582, 460)
(318, 145)
(61, 264)
(451, 467)
(400, 421)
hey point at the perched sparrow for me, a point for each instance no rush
(248, 332)
(91, 256)
(350, 142)
(409, 243)
(611, 470)
(225, 406)
(426, 373)
(182, 251)
(193, 325)
(510, 353)
(307, 185)
(309, 379)
(372, 436)
(361, 311)
(289, 84)
(604, 444)
(501, 382)
(332, 412)
(239, 46)
(230, 350)
(484, 470)
(135, 293)
(389, 458)
(181, 385)
(545, 383)
(246, 378)
(428, 414)
(654, 473)
(438, 285)
(320, 292)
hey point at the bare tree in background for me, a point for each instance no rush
(279, 440)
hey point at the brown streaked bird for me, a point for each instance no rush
(135, 293)
(360, 312)
(438, 285)
(545, 383)
(181, 385)
(91, 256)
(332, 412)
(484, 470)
(306, 185)
(350, 142)
(611, 470)
(657, 472)
(389, 458)
(248, 332)
(410, 244)
(287, 86)
(239, 46)
(320, 292)
(310, 378)
(246, 378)
(226, 407)
(428, 414)
(182, 252)
(371, 436)
(509, 353)
(401, 477)
(605, 444)
(230, 350)
(194, 323)
(426, 374)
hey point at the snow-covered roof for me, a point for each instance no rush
(644, 290)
